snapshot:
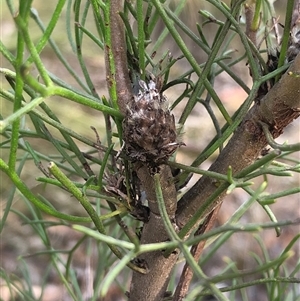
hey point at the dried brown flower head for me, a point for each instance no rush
(294, 42)
(149, 127)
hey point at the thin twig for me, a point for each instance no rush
(196, 251)
(116, 59)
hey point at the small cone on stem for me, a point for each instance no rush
(149, 129)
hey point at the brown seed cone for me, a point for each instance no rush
(149, 130)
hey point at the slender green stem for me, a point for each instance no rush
(48, 31)
(85, 101)
(72, 145)
(69, 25)
(17, 104)
(227, 130)
(233, 220)
(71, 187)
(179, 41)
(78, 169)
(103, 166)
(114, 272)
(280, 194)
(261, 268)
(141, 36)
(69, 94)
(162, 209)
(179, 7)
(90, 35)
(11, 195)
(193, 99)
(196, 170)
(257, 16)
(99, 22)
(267, 209)
(129, 34)
(195, 240)
(207, 49)
(19, 113)
(287, 250)
(34, 200)
(232, 18)
(218, 102)
(77, 193)
(7, 54)
(260, 281)
(174, 236)
(286, 34)
(258, 163)
(280, 171)
(254, 227)
(24, 31)
(105, 238)
(112, 86)
(59, 55)
(11, 7)
(78, 41)
(282, 147)
(203, 210)
(62, 128)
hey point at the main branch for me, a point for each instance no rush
(277, 109)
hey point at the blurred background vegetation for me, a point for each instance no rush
(19, 242)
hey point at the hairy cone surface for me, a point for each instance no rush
(149, 127)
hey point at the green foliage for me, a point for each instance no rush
(34, 133)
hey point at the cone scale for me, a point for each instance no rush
(149, 129)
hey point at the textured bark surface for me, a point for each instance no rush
(277, 109)
(152, 286)
(118, 52)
